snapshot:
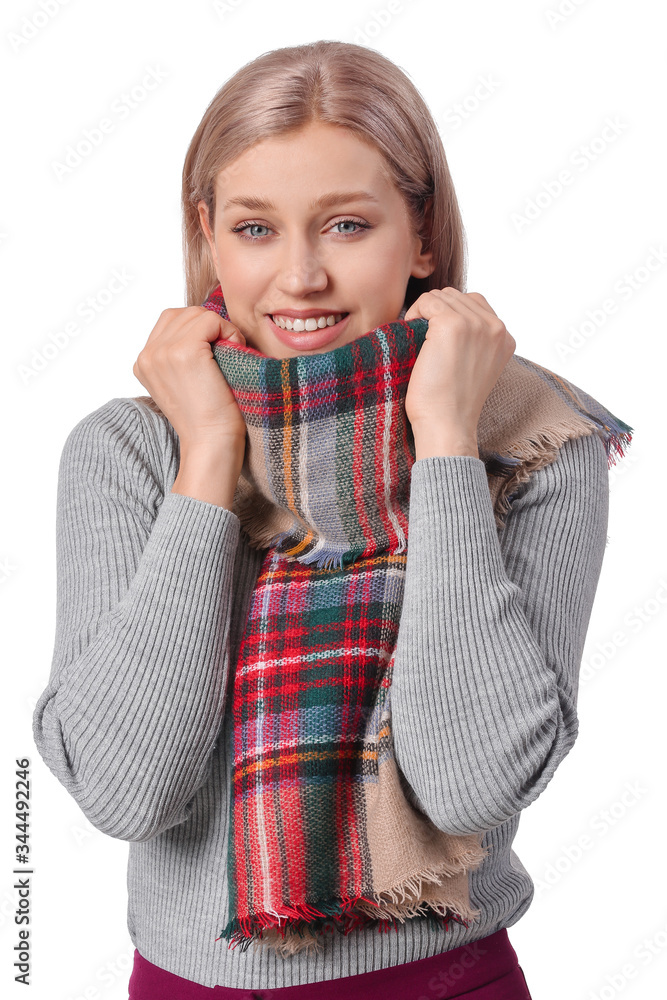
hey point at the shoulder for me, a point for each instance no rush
(119, 414)
(136, 420)
(123, 435)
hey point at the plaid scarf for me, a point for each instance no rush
(324, 831)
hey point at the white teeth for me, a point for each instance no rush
(313, 323)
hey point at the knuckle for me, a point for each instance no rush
(460, 325)
(230, 330)
(179, 353)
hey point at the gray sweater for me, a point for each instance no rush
(152, 591)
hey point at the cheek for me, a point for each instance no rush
(389, 257)
(237, 287)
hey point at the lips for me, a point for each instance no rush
(307, 340)
(318, 319)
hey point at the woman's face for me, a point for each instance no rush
(311, 223)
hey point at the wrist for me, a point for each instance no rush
(434, 440)
(216, 446)
(210, 470)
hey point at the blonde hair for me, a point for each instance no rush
(341, 84)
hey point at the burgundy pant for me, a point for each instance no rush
(487, 969)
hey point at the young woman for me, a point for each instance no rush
(230, 691)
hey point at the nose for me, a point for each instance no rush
(301, 271)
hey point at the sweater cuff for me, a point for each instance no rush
(184, 506)
(453, 490)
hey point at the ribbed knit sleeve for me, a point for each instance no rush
(134, 702)
(492, 632)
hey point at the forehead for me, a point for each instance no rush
(318, 158)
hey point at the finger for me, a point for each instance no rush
(468, 304)
(228, 331)
(174, 318)
(174, 324)
(427, 305)
(473, 301)
(235, 335)
(215, 328)
(478, 298)
(439, 301)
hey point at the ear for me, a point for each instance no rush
(202, 208)
(423, 263)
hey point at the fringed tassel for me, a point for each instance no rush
(297, 927)
(324, 558)
(513, 470)
(254, 523)
(297, 919)
(309, 936)
(617, 438)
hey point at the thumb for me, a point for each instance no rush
(230, 332)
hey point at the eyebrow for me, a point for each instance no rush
(325, 201)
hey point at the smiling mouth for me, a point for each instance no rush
(307, 325)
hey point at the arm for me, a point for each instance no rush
(134, 702)
(492, 631)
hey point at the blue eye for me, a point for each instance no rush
(351, 222)
(260, 225)
(248, 225)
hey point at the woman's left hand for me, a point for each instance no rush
(465, 350)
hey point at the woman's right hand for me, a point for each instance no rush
(179, 370)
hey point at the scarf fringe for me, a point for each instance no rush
(323, 557)
(264, 930)
(515, 468)
(301, 926)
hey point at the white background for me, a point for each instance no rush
(598, 923)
